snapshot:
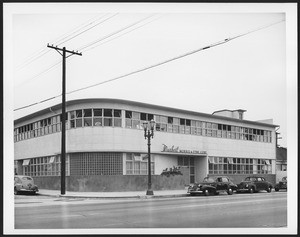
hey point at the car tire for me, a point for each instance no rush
(229, 191)
(206, 192)
(269, 189)
(251, 190)
(16, 191)
(276, 189)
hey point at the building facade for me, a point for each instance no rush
(281, 163)
(106, 149)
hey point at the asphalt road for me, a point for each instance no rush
(239, 210)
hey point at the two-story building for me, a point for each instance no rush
(106, 149)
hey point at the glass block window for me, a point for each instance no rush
(95, 163)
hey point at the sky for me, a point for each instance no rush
(247, 73)
(255, 72)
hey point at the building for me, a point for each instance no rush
(281, 163)
(106, 149)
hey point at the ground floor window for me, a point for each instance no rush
(137, 164)
(96, 163)
(44, 166)
(230, 165)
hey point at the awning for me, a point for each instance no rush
(52, 158)
(230, 160)
(137, 157)
(211, 160)
(267, 162)
(26, 162)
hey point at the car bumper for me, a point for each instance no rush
(195, 191)
(28, 190)
(242, 190)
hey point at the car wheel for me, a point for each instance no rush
(269, 189)
(206, 192)
(229, 191)
(251, 190)
(16, 191)
(276, 189)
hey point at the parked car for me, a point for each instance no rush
(254, 184)
(212, 185)
(24, 184)
(282, 184)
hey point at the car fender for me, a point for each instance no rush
(210, 187)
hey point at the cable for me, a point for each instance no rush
(121, 34)
(88, 29)
(42, 52)
(172, 59)
(98, 40)
(158, 64)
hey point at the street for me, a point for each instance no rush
(238, 210)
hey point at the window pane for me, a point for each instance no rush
(107, 112)
(117, 122)
(97, 112)
(97, 121)
(87, 122)
(107, 121)
(117, 113)
(87, 112)
(78, 123)
(78, 113)
(128, 114)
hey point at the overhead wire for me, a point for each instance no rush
(98, 40)
(122, 34)
(59, 40)
(159, 64)
(116, 32)
(47, 50)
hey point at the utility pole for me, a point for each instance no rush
(63, 113)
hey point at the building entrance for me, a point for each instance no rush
(189, 163)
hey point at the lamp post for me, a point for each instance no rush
(149, 132)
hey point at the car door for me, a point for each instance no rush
(259, 184)
(264, 184)
(225, 183)
(219, 184)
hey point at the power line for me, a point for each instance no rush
(88, 29)
(161, 63)
(99, 40)
(62, 39)
(172, 59)
(122, 34)
(114, 33)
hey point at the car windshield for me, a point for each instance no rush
(250, 179)
(26, 178)
(208, 180)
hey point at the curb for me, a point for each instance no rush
(116, 197)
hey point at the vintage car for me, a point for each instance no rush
(254, 184)
(212, 185)
(282, 184)
(24, 184)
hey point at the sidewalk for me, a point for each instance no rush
(110, 195)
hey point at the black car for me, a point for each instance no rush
(281, 185)
(212, 185)
(254, 184)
